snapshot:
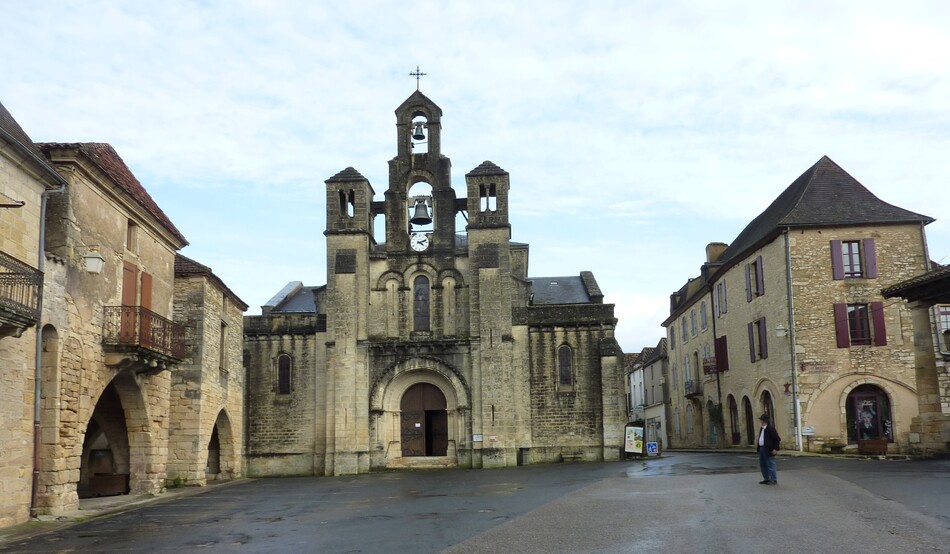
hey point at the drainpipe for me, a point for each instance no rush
(791, 342)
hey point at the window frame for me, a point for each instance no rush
(565, 353)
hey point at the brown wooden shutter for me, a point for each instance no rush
(129, 284)
(146, 291)
(870, 259)
(759, 276)
(763, 338)
(722, 354)
(877, 320)
(842, 333)
(748, 283)
(751, 342)
(837, 265)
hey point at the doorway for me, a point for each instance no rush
(424, 428)
(868, 414)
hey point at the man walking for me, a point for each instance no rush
(768, 447)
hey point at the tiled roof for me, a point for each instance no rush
(108, 160)
(486, 168)
(22, 141)
(185, 266)
(823, 196)
(348, 174)
(558, 290)
(935, 283)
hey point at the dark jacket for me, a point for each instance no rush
(772, 440)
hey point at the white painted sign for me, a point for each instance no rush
(808, 431)
(476, 438)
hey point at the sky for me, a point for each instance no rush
(634, 132)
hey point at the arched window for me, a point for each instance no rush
(565, 366)
(284, 375)
(420, 303)
(734, 420)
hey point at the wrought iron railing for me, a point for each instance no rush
(20, 287)
(137, 326)
(692, 387)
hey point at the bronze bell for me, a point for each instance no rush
(421, 214)
(418, 133)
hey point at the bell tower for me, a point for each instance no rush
(419, 223)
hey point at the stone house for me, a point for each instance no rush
(206, 412)
(655, 394)
(427, 346)
(108, 338)
(26, 182)
(633, 371)
(792, 323)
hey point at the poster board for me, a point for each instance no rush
(633, 440)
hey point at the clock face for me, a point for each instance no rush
(419, 242)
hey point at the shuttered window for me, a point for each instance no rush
(853, 259)
(754, 279)
(860, 324)
(758, 340)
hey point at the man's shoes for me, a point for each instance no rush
(773, 482)
(766, 482)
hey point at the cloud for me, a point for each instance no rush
(649, 128)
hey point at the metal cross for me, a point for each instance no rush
(417, 74)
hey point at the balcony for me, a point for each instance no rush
(140, 339)
(693, 387)
(20, 287)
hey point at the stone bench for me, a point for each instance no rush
(571, 457)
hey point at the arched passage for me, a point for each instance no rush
(222, 456)
(118, 444)
(868, 412)
(734, 421)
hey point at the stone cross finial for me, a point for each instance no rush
(417, 74)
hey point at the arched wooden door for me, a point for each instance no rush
(424, 425)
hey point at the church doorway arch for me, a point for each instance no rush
(423, 426)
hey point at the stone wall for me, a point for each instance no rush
(207, 395)
(19, 238)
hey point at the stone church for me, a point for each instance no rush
(429, 345)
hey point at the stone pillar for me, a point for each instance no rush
(930, 430)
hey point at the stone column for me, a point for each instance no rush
(930, 431)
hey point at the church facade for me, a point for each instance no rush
(431, 347)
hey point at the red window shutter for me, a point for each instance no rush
(759, 276)
(748, 283)
(877, 320)
(130, 290)
(837, 267)
(763, 338)
(870, 259)
(724, 353)
(146, 291)
(842, 333)
(751, 342)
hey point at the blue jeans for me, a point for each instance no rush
(767, 464)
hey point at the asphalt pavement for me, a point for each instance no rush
(677, 503)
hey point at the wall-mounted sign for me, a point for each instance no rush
(493, 438)
(808, 431)
(477, 438)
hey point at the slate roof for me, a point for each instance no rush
(348, 174)
(185, 266)
(823, 196)
(12, 131)
(657, 352)
(558, 290)
(103, 156)
(486, 168)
